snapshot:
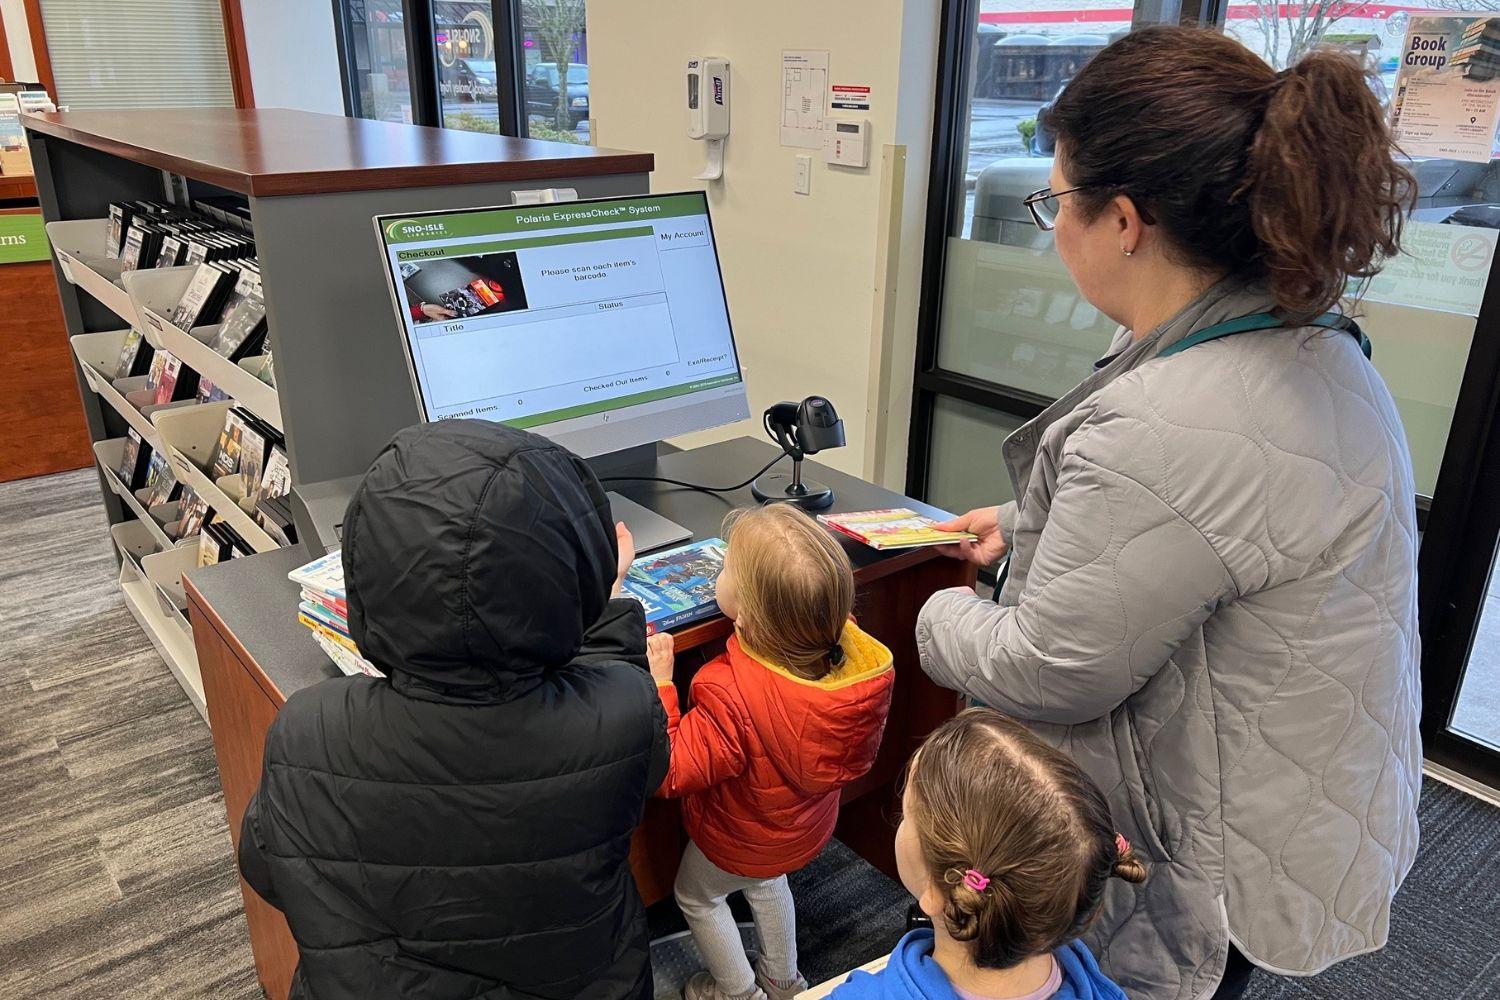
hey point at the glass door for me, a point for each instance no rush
(476, 88)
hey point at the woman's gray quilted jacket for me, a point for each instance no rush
(1211, 604)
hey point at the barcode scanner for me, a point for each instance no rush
(801, 429)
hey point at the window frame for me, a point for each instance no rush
(424, 73)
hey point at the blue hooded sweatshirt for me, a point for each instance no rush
(912, 974)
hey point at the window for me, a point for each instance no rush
(1007, 331)
(377, 76)
(138, 54)
(557, 70)
(513, 67)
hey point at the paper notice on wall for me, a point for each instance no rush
(1440, 267)
(804, 82)
(1447, 100)
(848, 97)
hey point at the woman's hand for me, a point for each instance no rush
(626, 543)
(984, 524)
(659, 653)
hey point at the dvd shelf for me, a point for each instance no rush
(139, 203)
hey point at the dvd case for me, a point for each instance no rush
(676, 586)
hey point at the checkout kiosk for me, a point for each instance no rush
(600, 323)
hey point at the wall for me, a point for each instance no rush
(294, 58)
(804, 274)
(19, 38)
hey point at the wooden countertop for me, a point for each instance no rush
(269, 152)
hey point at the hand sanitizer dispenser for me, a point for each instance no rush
(708, 109)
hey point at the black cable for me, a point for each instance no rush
(695, 486)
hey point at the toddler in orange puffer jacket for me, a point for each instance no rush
(790, 714)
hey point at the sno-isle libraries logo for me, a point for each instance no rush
(411, 229)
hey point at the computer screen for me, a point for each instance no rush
(601, 324)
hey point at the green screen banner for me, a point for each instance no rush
(23, 238)
(421, 229)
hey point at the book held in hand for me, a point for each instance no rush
(892, 528)
(676, 586)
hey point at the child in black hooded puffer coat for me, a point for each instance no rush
(462, 828)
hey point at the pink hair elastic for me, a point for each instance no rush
(1122, 845)
(976, 881)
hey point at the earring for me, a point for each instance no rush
(1126, 252)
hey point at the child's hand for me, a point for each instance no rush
(659, 654)
(627, 556)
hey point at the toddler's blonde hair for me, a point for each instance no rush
(794, 585)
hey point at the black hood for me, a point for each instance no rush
(475, 557)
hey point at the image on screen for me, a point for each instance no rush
(537, 315)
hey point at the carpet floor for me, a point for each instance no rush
(115, 871)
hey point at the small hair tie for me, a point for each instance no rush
(974, 880)
(836, 655)
(1122, 846)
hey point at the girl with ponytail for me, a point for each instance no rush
(1007, 845)
(1210, 600)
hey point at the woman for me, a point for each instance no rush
(1211, 595)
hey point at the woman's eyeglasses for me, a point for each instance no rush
(1044, 205)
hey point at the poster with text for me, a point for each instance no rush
(1447, 101)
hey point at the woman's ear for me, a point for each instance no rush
(1127, 220)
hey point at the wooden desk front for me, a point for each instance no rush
(253, 655)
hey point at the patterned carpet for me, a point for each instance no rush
(115, 876)
(115, 872)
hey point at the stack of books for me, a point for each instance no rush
(324, 609)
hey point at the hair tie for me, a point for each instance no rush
(836, 655)
(1122, 846)
(975, 881)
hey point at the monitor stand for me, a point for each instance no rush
(649, 529)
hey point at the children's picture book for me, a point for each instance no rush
(892, 528)
(676, 586)
(324, 576)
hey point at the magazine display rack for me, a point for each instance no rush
(313, 184)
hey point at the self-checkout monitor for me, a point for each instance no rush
(599, 324)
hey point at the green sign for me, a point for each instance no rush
(23, 238)
(555, 216)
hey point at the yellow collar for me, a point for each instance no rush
(864, 657)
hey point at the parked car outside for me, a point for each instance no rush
(541, 92)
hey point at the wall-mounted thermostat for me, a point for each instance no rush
(846, 143)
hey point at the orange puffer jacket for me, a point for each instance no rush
(760, 757)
